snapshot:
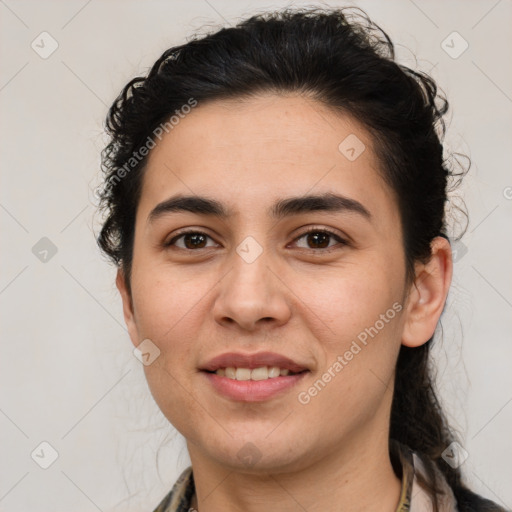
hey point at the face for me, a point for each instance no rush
(255, 281)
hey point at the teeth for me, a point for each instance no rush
(243, 374)
(262, 373)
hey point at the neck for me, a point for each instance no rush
(356, 477)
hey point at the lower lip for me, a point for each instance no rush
(253, 390)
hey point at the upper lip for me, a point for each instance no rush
(251, 361)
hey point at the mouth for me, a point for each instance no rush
(253, 377)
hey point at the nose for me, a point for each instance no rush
(252, 295)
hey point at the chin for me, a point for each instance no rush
(257, 454)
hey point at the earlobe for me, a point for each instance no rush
(428, 294)
(128, 311)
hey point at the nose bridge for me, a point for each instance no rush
(250, 270)
(250, 290)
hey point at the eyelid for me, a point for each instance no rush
(185, 231)
(341, 238)
(326, 229)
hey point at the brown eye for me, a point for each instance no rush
(320, 239)
(191, 240)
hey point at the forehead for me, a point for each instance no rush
(247, 153)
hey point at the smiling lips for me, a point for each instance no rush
(252, 377)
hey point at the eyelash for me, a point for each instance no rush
(341, 241)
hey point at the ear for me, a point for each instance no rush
(427, 295)
(128, 310)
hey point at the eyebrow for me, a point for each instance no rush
(282, 208)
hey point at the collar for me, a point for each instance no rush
(414, 497)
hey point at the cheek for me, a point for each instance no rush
(166, 302)
(358, 357)
(353, 299)
(360, 346)
(168, 312)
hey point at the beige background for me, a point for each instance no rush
(67, 369)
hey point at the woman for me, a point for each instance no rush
(275, 198)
